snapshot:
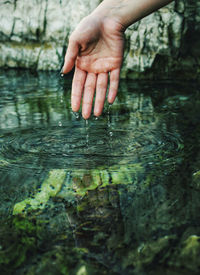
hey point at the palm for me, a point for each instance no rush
(104, 50)
(99, 51)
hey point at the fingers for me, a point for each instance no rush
(88, 82)
(71, 55)
(114, 83)
(88, 95)
(101, 88)
(77, 88)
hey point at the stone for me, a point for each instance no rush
(35, 34)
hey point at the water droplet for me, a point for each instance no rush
(76, 114)
(87, 132)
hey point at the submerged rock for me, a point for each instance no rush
(77, 200)
(35, 35)
(188, 254)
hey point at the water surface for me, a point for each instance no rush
(113, 195)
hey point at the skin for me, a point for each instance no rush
(96, 49)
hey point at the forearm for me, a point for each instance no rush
(129, 11)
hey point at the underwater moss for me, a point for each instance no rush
(49, 188)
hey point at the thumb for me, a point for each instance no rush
(71, 55)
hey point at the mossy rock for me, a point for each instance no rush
(187, 255)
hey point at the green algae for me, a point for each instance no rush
(148, 252)
(191, 246)
(49, 188)
(135, 215)
(21, 239)
(79, 186)
(81, 182)
(82, 271)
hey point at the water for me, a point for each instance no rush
(113, 195)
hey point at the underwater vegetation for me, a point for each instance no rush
(114, 195)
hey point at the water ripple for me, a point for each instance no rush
(79, 147)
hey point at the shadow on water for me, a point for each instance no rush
(113, 195)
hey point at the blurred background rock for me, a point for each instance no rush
(34, 34)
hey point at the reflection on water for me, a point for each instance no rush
(113, 195)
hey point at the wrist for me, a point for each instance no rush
(107, 13)
(110, 9)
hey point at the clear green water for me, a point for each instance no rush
(113, 195)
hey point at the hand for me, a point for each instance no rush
(96, 50)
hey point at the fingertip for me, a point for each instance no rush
(86, 110)
(111, 99)
(75, 107)
(86, 115)
(98, 109)
(97, 114)
(68, 66)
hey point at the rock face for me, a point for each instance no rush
(34, 34)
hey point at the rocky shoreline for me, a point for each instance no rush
(164, 45)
